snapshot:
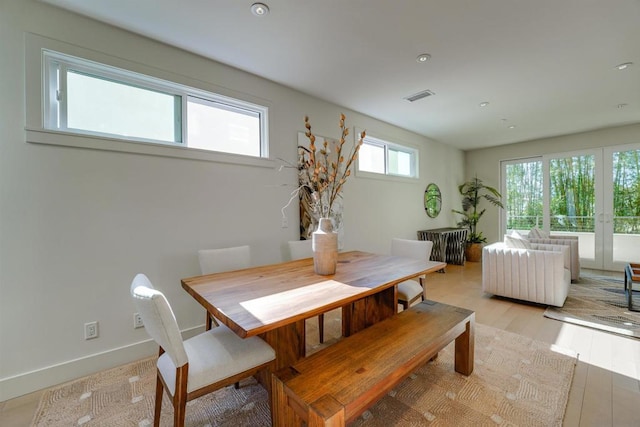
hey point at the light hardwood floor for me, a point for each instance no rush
(606, 386)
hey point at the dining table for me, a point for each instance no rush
(273, 301)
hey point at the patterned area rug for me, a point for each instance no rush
(516, 382)
(601, 303)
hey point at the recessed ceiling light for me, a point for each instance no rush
(259, 9)
(621, 105)
(624, 66)
(424, 57)
(512, 127)
(484, 104)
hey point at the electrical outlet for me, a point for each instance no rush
(137, 321)
(90, 330)
(285, 222)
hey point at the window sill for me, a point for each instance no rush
(68, 139)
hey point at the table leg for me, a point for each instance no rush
(464, 349)
(367, 311)
(628, 287)
(289, 344)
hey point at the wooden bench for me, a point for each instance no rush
(335, 385)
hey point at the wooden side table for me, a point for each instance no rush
(631, 276)
(448, 244)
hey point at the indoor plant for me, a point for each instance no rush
(473, 192)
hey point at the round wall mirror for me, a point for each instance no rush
(432, 200)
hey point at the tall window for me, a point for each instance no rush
(88, 98)
(383, 157)
(626, 192)
(571, 193)
(523, 193)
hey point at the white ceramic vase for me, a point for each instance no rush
(325, 248)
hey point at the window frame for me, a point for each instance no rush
(235, 106)
(56, 100)
(387, 145)
(38, 121)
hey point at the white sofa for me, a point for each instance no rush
(541, 274)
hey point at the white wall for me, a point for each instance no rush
(76, 224)
(486, 162)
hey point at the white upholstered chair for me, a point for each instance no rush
(299, 249)
(538, 236)
(197, 366)
(223, 259)
(411, 290)
(539, 274)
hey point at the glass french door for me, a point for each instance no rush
(621, 214)
(572, 201)
(593, 194)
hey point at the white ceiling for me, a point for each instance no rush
(546, 67)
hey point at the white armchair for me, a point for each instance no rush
(540, 274)
(537, 235)
(574, 254)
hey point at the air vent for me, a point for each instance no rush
(419, 95)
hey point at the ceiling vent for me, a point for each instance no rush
(419, 95)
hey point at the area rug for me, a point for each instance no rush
(599, 302)
(516, 382)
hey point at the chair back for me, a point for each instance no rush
(299, 249)
(224, 259)
(418, 249)
(158, 319)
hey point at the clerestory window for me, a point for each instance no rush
(386, 158)
(88, 98)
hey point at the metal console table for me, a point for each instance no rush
(448, 244)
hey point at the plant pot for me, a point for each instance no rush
(473, 252)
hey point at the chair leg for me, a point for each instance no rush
(180, 398)
(180, 410)
(321, 327)
(210, 322)
(158, 408)
(407, 304)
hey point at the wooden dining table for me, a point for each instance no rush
(273, 301)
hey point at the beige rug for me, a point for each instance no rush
(516, 382)
(600, 303)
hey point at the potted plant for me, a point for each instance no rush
(473, 192)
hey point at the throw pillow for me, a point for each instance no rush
(536, 233)
(516, 240)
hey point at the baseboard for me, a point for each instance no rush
(49, 376)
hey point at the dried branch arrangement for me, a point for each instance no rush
(326, 170)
